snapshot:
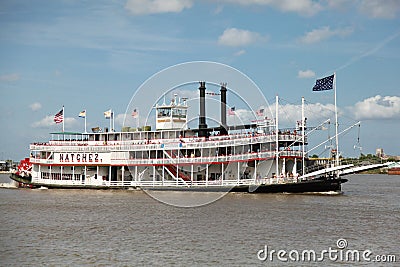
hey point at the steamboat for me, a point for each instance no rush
(256, 157)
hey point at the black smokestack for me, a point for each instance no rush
(202, 118)
(223, 90)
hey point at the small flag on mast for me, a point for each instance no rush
(324, 83)
(135, 113)
(59, 117)
(260, 112)
(212, 93)
(82, 114)
(231, 111)
(108, 114)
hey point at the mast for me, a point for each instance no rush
(63, 112)
(277, 135)
(336, 122)
(137, 119)
(303, 126)
(85, 122)
(111, 116)
(113, 121)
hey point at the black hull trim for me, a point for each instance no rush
(310, 186)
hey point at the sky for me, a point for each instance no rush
(97, 55)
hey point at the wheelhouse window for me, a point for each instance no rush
(179, 113)
(164, 112)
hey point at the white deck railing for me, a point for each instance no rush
(172, 144)
(196, 160)
(165, 183)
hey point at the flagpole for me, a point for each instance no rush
(113, 121)
(110, 120)
(137, 119)
(85, 122)
(303, 128)
(336, 122)
(63, 118)
(277, 136)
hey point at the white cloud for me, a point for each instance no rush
(35, 106)
(306, 74)
(240, 52)
(386, 9)
(316, 112)
(121, 120)
(302, 7)
(9, 77)
(238, 37)
(48, 122)
(218, 10)
(324, 33)
(340, 4)
(242, 116)
(44, 123)
(377, 107)
(288, 114)
(144, 7)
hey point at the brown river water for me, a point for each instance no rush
(130, 228)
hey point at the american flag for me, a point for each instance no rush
(324, 83)
(231, 111)
(59, 117)
(260, 112)
(135, 113)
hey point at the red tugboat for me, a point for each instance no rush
(23, 174)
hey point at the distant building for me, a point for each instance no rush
(392, 157)
(3, 165)
(379, 152)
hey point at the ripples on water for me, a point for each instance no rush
(129, 228)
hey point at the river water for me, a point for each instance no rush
(130, 228)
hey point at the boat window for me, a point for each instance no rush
(164, 112)
(179, 113)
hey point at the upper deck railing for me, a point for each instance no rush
(193, 160)
(176, 143)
